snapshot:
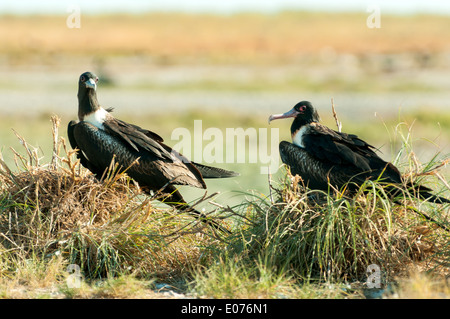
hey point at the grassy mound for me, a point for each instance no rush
(106, 228)
(317, 236)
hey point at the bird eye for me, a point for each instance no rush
(82, 78)
(301, 108)
(96, 79)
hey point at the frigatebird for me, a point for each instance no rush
(323, 157)
(99, 138)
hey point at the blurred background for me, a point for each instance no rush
(164, 64)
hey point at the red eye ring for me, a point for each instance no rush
(82, 78)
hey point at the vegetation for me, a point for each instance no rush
(291, 243)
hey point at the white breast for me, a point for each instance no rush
(97, 118)
(297, 137)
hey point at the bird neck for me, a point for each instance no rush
(298, 123)
(87, 103)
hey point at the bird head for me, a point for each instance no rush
(88, 80)
(303, 110)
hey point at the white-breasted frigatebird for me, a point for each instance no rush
(323, 157)
(100, 137)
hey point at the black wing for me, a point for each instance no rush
(336, 157)
(142, 139)
(342, 149)
(98, 148)
(316, 173)
(137, 138)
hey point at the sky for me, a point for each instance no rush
(222, 6)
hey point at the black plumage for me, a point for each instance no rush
(100, 138)
(323, 157)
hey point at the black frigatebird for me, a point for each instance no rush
(99, 137)
(323, 157)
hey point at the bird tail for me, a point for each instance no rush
(214, 172)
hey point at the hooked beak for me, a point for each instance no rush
(291, 113)
(90, 84)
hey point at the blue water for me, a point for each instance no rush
(222, 6)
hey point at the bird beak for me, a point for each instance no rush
(90, 84)
(291, 113)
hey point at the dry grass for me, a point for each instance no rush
(419, 285)
(241, 37)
